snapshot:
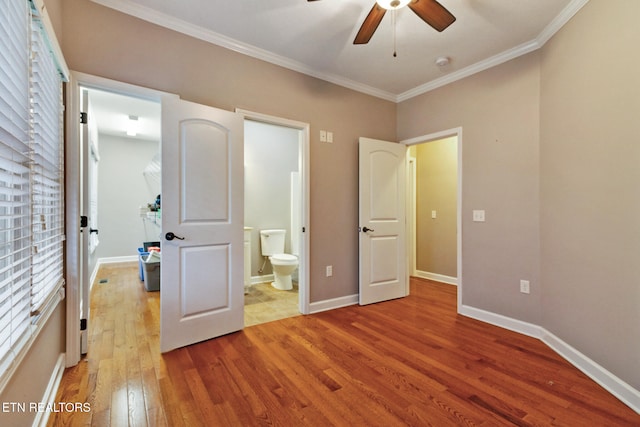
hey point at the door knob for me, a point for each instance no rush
(365, 229)
(171, 236)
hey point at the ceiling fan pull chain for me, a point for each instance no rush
(393, 22)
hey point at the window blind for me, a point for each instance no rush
(31, 178)
(46, 172)
(15, 210)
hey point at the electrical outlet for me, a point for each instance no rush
(524, 286)
(434, 214)
(329, 136)
(478, 216)
(329, 270)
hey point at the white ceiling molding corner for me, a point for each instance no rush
(174, 23)
(183, 27)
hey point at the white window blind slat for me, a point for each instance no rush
(31, 176)
(47, 172)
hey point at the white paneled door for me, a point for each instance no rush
(202, 282)
(382, 207)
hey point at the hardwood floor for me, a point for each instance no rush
(411, 361)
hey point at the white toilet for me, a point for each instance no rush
(272, 244)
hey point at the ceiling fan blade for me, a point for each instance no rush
(370, 25)
(433, 13)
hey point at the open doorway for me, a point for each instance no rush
(434, 206)
(124, 177)
(276, 201)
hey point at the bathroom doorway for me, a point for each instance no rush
(276, 197)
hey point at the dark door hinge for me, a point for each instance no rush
(84, 221)
(83, 324)
(83, 118)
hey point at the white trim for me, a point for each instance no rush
(505, 322)
(614, 385)
(437, 277)
(170, 22)
(54, 46)
(619, 388)
(72, 191)
(266, 278)
(331, 304)
(498, 59)
(117, 259)
(559, 21)
(201, 33)
(50, 392)
(304, 279)
(457, 132)
(412, 182)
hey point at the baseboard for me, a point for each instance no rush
(505, 322)
(437, 277)
(330, 304)
(117, 259)
(614, 385)
(49, 397)
(267, 278)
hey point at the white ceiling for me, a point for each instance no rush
(111, 112)
(316, 37)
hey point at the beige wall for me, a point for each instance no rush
(436, 190)
(28, 384)
(103, 42)
(550, 151)
(590, 181)
(498, 111)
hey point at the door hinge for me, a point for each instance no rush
(304, 229)
(84, 221)
(83, 324)
(83, 118)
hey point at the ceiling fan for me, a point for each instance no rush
(431, 12)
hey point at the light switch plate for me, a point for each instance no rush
(478, 216)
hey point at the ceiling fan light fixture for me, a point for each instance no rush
(392, 4)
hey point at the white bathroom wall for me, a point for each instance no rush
(270, 155)
(122, 189)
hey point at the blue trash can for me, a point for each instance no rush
(141, 253)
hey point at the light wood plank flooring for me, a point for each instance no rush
(411, 361)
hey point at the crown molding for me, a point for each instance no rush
(470, 70)
(535, 44)
(559, 21)
(178, 25)
(172, 23)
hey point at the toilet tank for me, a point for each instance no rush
(272, 241)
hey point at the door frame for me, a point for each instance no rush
(73, 198)
(303, 153)
(457, 132)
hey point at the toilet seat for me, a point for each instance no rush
(284, 259)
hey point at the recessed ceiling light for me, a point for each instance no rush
(132, 126)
